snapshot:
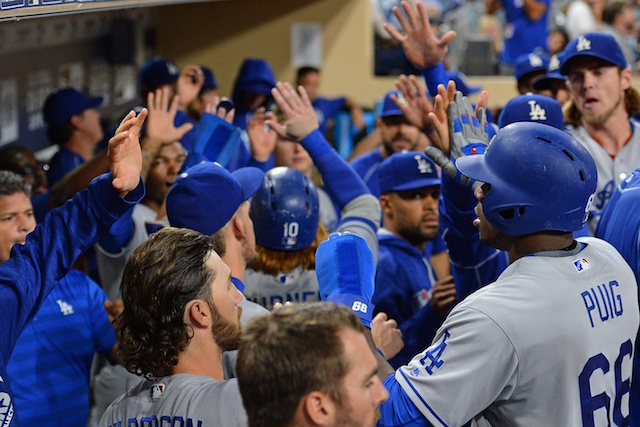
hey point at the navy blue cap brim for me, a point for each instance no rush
(545, 82)
(250, 179)
(413, 185)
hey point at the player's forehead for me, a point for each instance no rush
(357, 354)
(14, 203)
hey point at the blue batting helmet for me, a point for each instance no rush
(285, 209)
(541, 179)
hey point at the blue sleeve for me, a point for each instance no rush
(399, 410)
(35, 267)
(419, 328)
(104, 337)
(119, 235)
(433, 76)
(341, 182)
(40, 203)
(474, 263)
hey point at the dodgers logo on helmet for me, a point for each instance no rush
(285, 210)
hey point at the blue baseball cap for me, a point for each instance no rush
(532, 108)
(596, 45)
(210, 81)
(389, 108)
(407, 170)
(205, 196)
(158, 72)
(553, 75)
(62, 104)
(530, 63)
(462, 84)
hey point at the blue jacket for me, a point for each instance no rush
(28, 277)
(404, 280)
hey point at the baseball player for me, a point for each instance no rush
(31, 272)
(535, 187)
(407, 289)
(620, 226)
(287, 229)
(180, 314)
(602, 100)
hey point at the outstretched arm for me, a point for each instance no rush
(125, 156)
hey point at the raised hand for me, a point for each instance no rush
(415, 106)
(189, 84)
(298, 112)
(161, 118)
(421, 46)
(125, 154)
(261, 136)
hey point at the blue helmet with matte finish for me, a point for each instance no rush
(285, 210)
(541, 179)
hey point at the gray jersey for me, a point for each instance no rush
(361, 216)
(610, 171)
(549, 343)
(181, 399)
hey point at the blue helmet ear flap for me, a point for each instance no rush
(285, 210)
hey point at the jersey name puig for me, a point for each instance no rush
(162, 421)
(603, 302)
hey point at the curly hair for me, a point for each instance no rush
(162, 276)
(301, 343)
(271, 261)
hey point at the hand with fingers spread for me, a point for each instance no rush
(421, 46)
(216, 109)
(262, 138)
(461, 131)
(160, 122)
(299, 114)
(189, 84)
(415, 104)
(124, 153)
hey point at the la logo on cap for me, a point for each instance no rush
(554, 63)
(536, 112)
(423, 165)
(583, 44)
(535, 60)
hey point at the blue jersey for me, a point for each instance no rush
(404, 280)
(474, 263)
(53, 355)
(522, 35)
(366, 166)
(63, 162)
(620, 226)
(327, 109)
(28, 277)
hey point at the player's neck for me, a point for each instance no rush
(539, 242)
(202, 358)
(612, 135)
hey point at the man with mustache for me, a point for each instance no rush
(407, 289)
(602, 102)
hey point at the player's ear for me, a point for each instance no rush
(385, 205)
(318, 408)
(237, 227)
(625, 78)
(198, 314)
